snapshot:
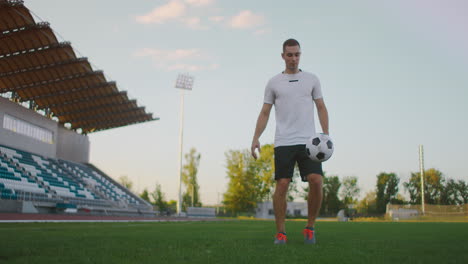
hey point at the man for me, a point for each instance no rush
(293, 92)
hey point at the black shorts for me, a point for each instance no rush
(286, 158)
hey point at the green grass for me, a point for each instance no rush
(232, 242)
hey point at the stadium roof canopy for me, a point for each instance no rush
(36, 68)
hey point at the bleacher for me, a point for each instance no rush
(32, 177)
(12, 179)
(100, 183)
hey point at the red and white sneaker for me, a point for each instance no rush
(309, 235)
(281, 238)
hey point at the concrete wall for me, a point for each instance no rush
(66, 144)
(72, 146)
(19, 141)
(265, 209)
(10, 206)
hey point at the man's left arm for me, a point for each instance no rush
(322, 114)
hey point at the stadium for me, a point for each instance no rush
(50, 101)
(57, 207)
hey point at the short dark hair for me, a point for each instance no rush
(290, 42)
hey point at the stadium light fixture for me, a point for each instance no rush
(183, 82)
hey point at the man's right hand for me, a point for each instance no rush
(255, 145)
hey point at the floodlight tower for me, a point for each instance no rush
(183, 82)
(421, 171)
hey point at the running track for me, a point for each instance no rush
(31, 218)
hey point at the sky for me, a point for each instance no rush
(393, 76)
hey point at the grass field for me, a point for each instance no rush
(232, 242)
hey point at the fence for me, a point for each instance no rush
(397, 211)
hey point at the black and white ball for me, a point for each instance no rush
(319, 147)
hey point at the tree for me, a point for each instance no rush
(368, 205)
(433, 187)
(462, 192)
(386, 190)
(252, 181)
(454, 192)
(292, 189)
(171, 206)
(126, 182)
(191, 196)
(331, 204)
(241, 194)
(434, 183)
(350, 190)
(159, 200)
(145, 195)
(262, 169)
(399, 199)
(449, 193)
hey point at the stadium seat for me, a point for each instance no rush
(23, 173)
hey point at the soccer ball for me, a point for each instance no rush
(319, 147)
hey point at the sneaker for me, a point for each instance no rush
(280, 238)
(309, 235)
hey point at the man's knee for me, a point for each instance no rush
(282, 186)
(314, 179)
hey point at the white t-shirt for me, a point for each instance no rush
(293, 95)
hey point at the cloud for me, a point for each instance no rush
(192, 67)
(178, 59)
(168, 55)
(246, 19)
(194, 15)
(199, 2)
(173, 9)
(194, 23)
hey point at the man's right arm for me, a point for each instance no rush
(262, 122)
